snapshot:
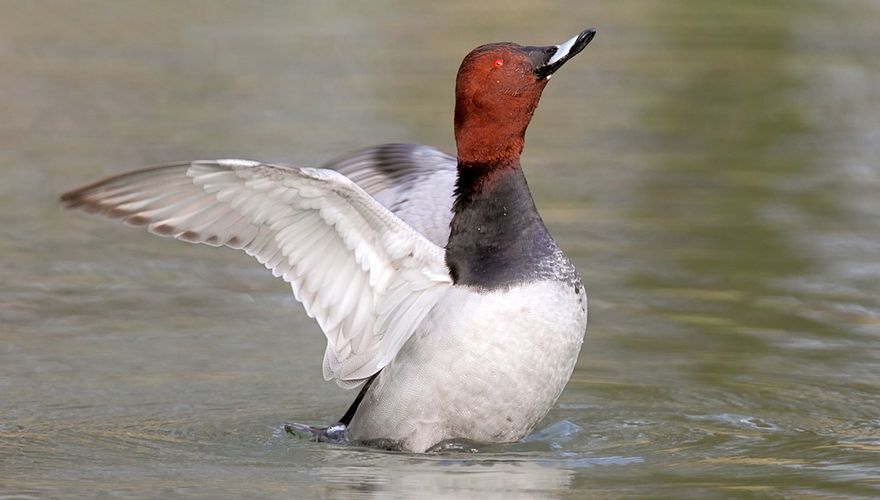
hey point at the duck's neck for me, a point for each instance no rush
(497, 238)
(486, 145)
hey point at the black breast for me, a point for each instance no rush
(497, 238)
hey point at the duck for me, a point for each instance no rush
(442, 295)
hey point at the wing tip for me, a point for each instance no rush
(78, 199)
(163, 229)
(71, 199)
(137, 220)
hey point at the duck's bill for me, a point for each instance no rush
(551, 58)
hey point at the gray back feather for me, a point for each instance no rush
(415, 182)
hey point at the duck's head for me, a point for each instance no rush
(496, 92)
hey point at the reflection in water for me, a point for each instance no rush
(452, 479)
(535, 469)
(711, 167)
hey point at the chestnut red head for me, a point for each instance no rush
(496, 92)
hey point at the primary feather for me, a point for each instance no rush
(364, 274)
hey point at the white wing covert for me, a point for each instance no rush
(368, 278)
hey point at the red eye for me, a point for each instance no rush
(498, 63)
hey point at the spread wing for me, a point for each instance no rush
(415, 182)
(367, 277)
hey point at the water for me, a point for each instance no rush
(711, 167)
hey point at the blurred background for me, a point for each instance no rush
(712, 168)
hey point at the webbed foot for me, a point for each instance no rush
(334, 434)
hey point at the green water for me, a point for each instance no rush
(712, 168)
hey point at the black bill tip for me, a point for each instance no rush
(551, 58)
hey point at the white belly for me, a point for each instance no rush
(482, 366)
